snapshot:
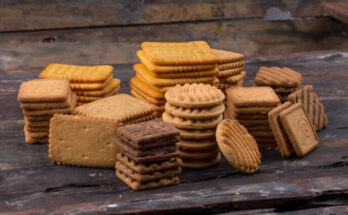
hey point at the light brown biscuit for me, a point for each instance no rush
(285, 89)
(229, 72)
(115, 84)
(39, 118)
(230, 111)
(227, 56)
(238, 146)
(36, 123)
(196, 146)
(228, 66)
(171, 69)
(83, 141)
(191, 134)
(38, 113)
(148, 90)
(50, 90)
(135, 185)
(278, 77)
(204, 163)
(194, 96)
(95, 98)
(156, 108)
(279, 133)
(31, 140)
(192, 74)
(127, 107)
(92, 86)
(143, 73)
(195, 113)
(159, 89)
(198, 154)
(247, 110)
(33, 129)
(234, 79)
(191, 123)
(252, 97)
(152, 100)
(182, 53)
(224, 87)
(85, 74)
(299, 129)
(48, 105)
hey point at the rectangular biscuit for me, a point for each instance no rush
(114, 84)
(148, 98)
(50, 90)
(146, 89)
(91, 86)
(182, 53)
(83, 141)
(246, 110)
(227, 56)
(94, 98)
(156, 108)
(48, 105)
(234, 79)
(228, 66)
(278, 77)
(70, 109)
(140, 119)
(77, 74)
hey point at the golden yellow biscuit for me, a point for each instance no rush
(115, 83)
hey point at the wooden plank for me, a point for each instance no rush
(118, 45)
(23, 15)
(338, 10)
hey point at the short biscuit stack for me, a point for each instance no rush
(147, 156)
(90, 83)
(164, 65)
(230, 69)
(284, 81)
(250, 106)
(40, 99)
(195, 110)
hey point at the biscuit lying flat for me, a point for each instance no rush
(238, 146)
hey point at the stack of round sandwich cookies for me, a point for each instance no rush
(164, 65)
(250, 106)
(195, 110)
(284, 81)
(230, 69)
(90, 83)
(147, 156)
(40, 99)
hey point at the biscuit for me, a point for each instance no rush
(223, 86)
(238, 146)
(39, 118)
(285, 89)
(143, 73)
(195, 113)
(191, 123)
(278, 77)
(189, 145)
(151, 158)
(280, 135)
(31, 140)
(204, 163)
(299, 129)
(52, 90)
(115, 84)
(198, 154)
(162, 70)
(95, 98)
(191, 134)
(261, 133)
(229, 72)
(135, 185)
(233, 79)
(140, 119)
(48, 105)
(85, 74)
(191, 74)
(33, 129)
(182, 53)
(227, 56)
(159, 89)
(148, 168)
(312, 106)
(128, 108)
(141, 93)
(247, 110)
(42, 136)
(258, 128)
(252, 97)
(194, 96)
(92, 86)
(35, 113)
(146, 89)
(83, 141)
(268, 140)
(253, 122)
(228, 66)
(156, 108)
(36, 123)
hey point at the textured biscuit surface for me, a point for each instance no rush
(229, 72)
(191, 123)
(204, 163)
(115, 83)
(91, 86)
(82, 141)
(94, 98)
(193, 134)
(195, 113)
(227, 56)
(234, 79)
(146, 89)
(227, 66)
(279, 77)
(238, 146)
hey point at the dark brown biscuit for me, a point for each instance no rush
(124, 147)
(151, 158)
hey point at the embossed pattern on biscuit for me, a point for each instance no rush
(228, 66)
(227, 56)
(275, 76)
(229, 72)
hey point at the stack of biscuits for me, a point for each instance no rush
(147, 155)
(284, 81)
(40, 99)
(230, 69)
(164, 65)
(196, 110)
(90, 83)
(250, 106)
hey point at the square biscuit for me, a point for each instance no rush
(48, 105)
(83, 141)
(114, 84)
(252, 97)
(91, 86)
(299, 129)
(120, 107)
(48, 90)
(227, 56)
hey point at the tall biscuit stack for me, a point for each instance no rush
(164, 65)
(195, 110)
(284, 81)
(230, 69)
(147, 156)
(40, 99)
(90, 83)
(250, 106)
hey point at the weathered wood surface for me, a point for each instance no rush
(29, 183)
(339, 10)
(24, 15)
